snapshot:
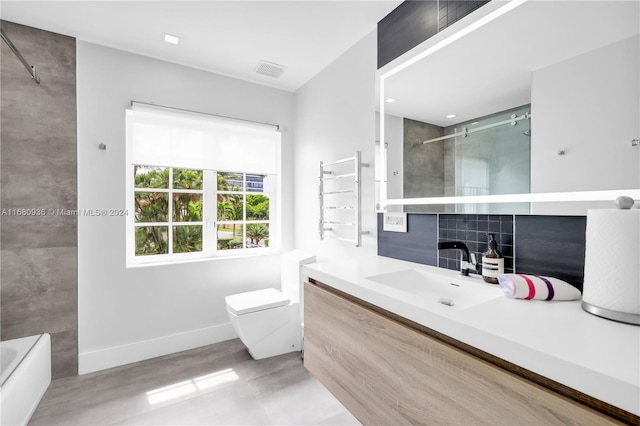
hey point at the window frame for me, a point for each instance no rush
(209, 223)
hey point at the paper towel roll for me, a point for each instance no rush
(612, 262)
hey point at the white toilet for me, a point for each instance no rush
(269, 321)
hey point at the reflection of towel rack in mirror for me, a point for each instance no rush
(345, 174)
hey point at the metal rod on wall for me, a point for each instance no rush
(30, 68)
(512, 121)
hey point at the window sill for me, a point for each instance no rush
(169, 262)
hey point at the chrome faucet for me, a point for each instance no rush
(468, 259)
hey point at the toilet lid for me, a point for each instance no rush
(253, 301)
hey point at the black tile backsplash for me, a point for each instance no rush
(472, 229)
(541, 245)
(419, 244)
(551, 245)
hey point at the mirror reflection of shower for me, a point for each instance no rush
(488, 155)
(494, 160)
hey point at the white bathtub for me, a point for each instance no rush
(24, 377)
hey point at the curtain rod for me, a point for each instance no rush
(513, 120)
(277, 126)
(30, 68)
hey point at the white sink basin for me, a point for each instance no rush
(459, 293)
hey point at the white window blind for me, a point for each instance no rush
(163, 137)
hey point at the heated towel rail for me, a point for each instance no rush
(340, 200)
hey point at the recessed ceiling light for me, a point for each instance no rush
(171, 39)
(390, 100)
(451, 116)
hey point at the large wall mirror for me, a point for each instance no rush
(518, 100)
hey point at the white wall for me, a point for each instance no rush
(335, 116)
(130, 314)
(588, 106)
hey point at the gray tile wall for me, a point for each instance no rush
(423, 166)
(38, 267)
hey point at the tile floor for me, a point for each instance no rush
(217, 384)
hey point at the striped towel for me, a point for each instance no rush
(520, 286)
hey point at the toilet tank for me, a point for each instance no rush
(291, 273)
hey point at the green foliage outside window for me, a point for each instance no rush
(187, 207)
(156, 187)
(230, 207)
(187, 239)
(187, 179)
(153, 207)
(257, 207)
(257, 232)
(151, 240)
(235, 204)
(230, 181)
(230, 236)
(151, 177)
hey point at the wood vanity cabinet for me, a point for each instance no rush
(388, 373)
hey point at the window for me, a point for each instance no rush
(183, 201)
(243, 211)
(168, 207)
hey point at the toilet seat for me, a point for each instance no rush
(254, 301)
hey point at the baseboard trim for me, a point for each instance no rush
(115, 356)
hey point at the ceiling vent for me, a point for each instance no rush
(269, 69)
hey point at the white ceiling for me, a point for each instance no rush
(490, 70)
(225, 37)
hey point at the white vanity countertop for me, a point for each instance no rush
(556, 339)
